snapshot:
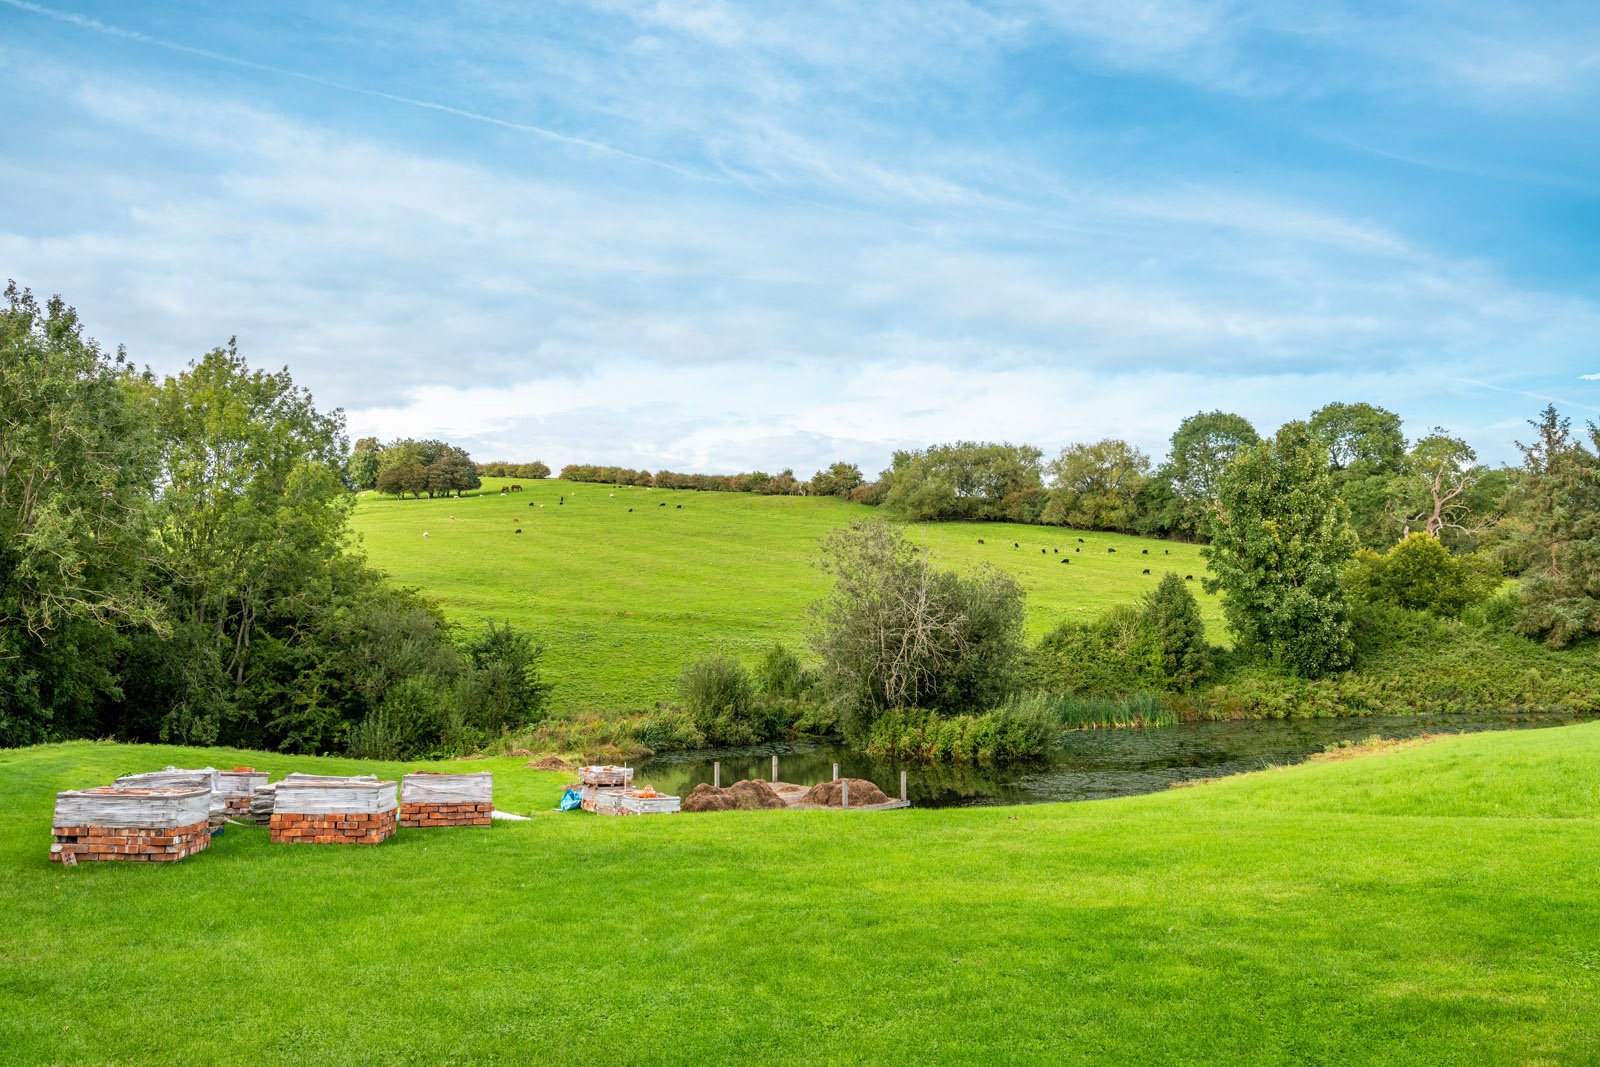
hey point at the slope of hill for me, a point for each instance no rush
(1433, 905)
(626, 585)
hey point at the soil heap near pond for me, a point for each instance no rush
(747, 795)
(831, 794)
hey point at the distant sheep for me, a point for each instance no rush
(424, 533)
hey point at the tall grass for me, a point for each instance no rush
(1095, 712)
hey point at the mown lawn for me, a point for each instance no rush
(624, 599)
(1434, 905)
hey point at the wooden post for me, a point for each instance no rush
(836, 772)
(774, 768)
(844, 793)
(903, 787)
(716, 774)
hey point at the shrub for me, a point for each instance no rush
(669, 730)
(718, 696)
(1005, 735)
(374, 738)
(1421, 574)
(779, 673)
(1171, 620)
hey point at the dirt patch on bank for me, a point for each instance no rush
(831, 794)
(549, 763)
(1371, 746)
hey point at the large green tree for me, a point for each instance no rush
(1280, 538)
(965, 480)
(76, 465)
(1097, 485)
(1202, 447)
(1561, 592)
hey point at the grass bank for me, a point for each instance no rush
(1434, 905)
(624, 598)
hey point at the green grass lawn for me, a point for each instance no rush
(1434, 905)
(623, 599)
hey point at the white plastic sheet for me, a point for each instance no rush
(182, 778)
(141, 807)
(474, 788)
(300, 797)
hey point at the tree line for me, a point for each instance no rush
(838, 480)
(176, 565)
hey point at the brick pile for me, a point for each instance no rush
(433, 800)
(310, 811)
(130, 824)
(181, 778)
(238, 787)
(345, 828)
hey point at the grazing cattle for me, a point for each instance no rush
(630, 511)
(980, 540)
(532, 504)
(1015, 545)
(1077, 550)
(519, 529)
(1081, 541)
(1041, 552)
(678, 506)
(1147, 570)
(516, 488)
(504, 490)
(1188, 577)
(1166, 551)
(1144, 552)
(1110, 550)
(662, 504)
(1066, 561)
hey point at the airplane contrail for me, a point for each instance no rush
(96, 26)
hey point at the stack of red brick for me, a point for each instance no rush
(238, 788)
(342, 828)
(115, 823)
(430, 800)
(313, 811)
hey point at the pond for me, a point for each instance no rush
(1088, 764)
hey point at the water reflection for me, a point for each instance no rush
(1088, 765)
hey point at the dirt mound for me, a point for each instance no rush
(549, 763)
(740, 796)
(830, 794)
(520, 753)
(705, 797)
(751, 795)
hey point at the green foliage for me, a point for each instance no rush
(1420, 573)
(1202, 447)
(841, 479)
(1171, 618)
(431, 467)
(499, 468)
(373, 738)
(965, 480)
(76, 462)
(1280, 539)
(1010, 734)
(669, 730)
(1561, 593)
(1097, 486)
(507, 690)
(1359, 436)
(1094, 712)
(898, 632)
(779, 673)
(718, 695)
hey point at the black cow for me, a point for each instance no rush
(980, 540)
(1066, 561)
(678, 506)
(1147, 570)
(1144, 552)
(1081, 541)
(519, 529)
(1188, 577)
(1041, 552)
(1110, 550)
(630, 511)
(1015, 545)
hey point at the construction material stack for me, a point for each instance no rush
(309, 809)
(152, 824)
(609, 791)
(428, 799)
(238, 789)
(180, 778)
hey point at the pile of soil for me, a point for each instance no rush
(753, 795)
(740, 796)
(705, 797)
(549, 763)
(830, 794)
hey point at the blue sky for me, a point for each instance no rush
(722, 236)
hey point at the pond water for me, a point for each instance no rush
(1087, 765)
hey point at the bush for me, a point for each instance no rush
(1171, 620)
(375, 738)
(1005, 735)
(505, 689)
(669, 730)
(719, 698)
(1090, 712)
(1421, 574)
(779, 673)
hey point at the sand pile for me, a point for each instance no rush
(740, 796)
(829, 794)
(549, 763)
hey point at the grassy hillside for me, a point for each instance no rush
(1434, 905)
(623, 598)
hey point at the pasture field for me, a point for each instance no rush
(623, 599)
(1431, 905)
